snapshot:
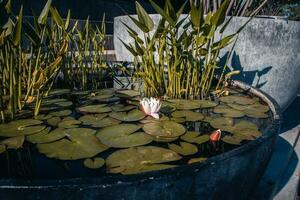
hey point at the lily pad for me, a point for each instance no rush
(150, 119)
(139, 159)
(255, 110)
(169, 129)
(64, 104)
(196, 160)
(122, 108)
(163, 139)
(99, 108)
(123, 136)
(184, 149)
(128, 93)
(20, 127)
(178, 119)
(167, 107)
(221, 122)
(54, 121)
(92, 119)
(188, 115)
(184, 104)
(61, 113)
(44, 136)
(94, 163)
(232, 140)
(131, 116)
(195, 137)
(81, 143)
(242, 100)
(42, 117)
(105, 98)
(246, 128)
(69, 123)
(13, 142)
(228, 112)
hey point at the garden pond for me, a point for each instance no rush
(93, 134)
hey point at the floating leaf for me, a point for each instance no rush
(228, 112)
(196, 160)
(131, 116)
(99, 108)
(188, 115)
(13, 142)
(242, 100)
(184, 149)
(81, 143)
(94, 163)
(137, 159)
(221, 122)
(122, 108)
(54, 121)
(167, 129)
(61, 113)
(150, 119)
(59, 92)
(255, 110)
(69, 123)
(20, 127)
(183, 104)
(123, 136)
(128, 93)
(167, 107)
(195, 137)
(105, 98)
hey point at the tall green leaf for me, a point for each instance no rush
(56, 17)
(163, 13)
(143, 16)
(18, 28)
(44, 14)
(219, 16)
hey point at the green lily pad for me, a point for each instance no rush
(195, 137)
(64, 104)
(131, 116)
(99, 108)
(69, 123)
(81, 143)
(122, 108)
(246, 128)
(20, 127)
(61, 113)
(188, 115)
(228, 112)
(46, 136)
(139, 159)
(256, 114)
(94, 163)
(184, 149)
(163, 139)
(123, 136)
(54, 121)
(183, 104)
(107, 121)
(13, 142)
(104, 91)
(167, 107)
(150, 119)
(92, 119)
(255, 110)
(178, 119)
(167, 129)
(81, 93)
(128, 93)
(221, 122)
(196, 160)
(105, 98)
(42, 117)
(242, 100)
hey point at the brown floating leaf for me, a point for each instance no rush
(196, 160)
(13, 142)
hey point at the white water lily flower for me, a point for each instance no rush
(151, 106)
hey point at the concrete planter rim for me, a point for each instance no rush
(123, 180)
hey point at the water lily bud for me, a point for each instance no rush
(215, 136)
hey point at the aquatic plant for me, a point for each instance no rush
(151, 107)
(179, 57)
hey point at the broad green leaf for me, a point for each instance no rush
(219, 16)
(139, 24)
(162, 13)
(56, 17)
(143, 16)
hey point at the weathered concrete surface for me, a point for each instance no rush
(281, 178)
(267, 53)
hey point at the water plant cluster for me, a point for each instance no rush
(109, 128)
(33, 53)
(180, 57)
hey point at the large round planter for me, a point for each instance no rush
(232, 175)
(267, 53)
